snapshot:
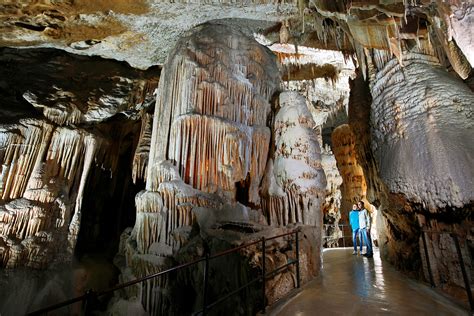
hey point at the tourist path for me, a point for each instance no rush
(355, 285)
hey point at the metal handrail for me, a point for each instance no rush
(91, 295)
(455, 238)
(343, 235)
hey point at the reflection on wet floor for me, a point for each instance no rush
(355, 285)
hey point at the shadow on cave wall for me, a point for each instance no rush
(109, 199)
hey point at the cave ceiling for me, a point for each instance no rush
(57, 71)
(142, 32)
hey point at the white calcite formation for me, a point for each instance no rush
(295, 181)
(209, 132)
(422, 141)
(422, 132)
(209, 148)
(211, 112)
(43, 174)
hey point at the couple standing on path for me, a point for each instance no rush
(360, 223)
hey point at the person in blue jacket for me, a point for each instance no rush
(354, 222)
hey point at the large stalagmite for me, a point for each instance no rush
(209, 131)
(295, 182)
(208, 152)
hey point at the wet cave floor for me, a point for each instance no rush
(355, 285)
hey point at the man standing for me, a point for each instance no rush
(354, 222)
(364, 227)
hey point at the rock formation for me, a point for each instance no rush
(295, 184)
(421, 124)
(218, 151)
(332, 205)
(354, 186)
(208, 152)
(47, 158)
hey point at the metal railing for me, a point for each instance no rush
(455, 238)
(343, 237)
(91, 296)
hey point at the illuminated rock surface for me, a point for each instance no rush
(208, 152)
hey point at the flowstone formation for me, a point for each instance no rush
(423, 114)
(209, 148)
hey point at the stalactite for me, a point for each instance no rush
(41, 166)
(209, 133)
(140, 159)
(231, 88)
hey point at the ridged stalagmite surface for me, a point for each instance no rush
(354, 186)
(212, 107)
(295, 182)
(209, 138)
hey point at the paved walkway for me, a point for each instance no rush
(355, 285)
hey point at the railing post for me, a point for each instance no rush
(297, 259)
(264, 273)
(463, 270)
(430, 273)
(343, 237)
(206, 283)
(89, 301)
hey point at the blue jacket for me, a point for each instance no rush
(354, 219)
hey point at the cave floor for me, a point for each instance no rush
(355, 285)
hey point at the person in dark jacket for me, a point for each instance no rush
(364, 227)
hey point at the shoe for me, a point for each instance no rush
(354, 252)
(368, 255)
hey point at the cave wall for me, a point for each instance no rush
(56, 135)
(410, 140)
(411, 114)
(423, 114)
